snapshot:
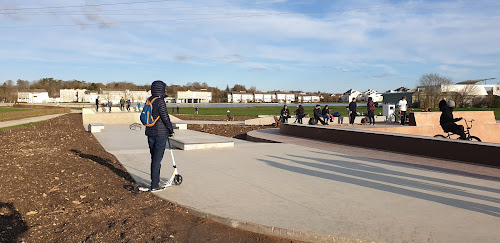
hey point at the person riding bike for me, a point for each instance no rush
(447, 121)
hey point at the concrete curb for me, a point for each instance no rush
(267, 230)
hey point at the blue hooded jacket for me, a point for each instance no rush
(162, 127)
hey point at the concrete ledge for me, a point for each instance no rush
(180, 126)
(268, 230)
(201, 143)
(95, 127)
(476, 152)
(268, 120)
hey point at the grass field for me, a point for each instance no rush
(7, 109)
(15, 113)
(275, 110)
(259, 110)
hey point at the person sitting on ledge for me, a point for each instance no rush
(447, 121)
(317, 114)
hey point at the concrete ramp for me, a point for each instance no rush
(427, 124)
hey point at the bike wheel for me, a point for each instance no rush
(474, 138)
(439, 136)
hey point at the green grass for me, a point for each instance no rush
(21, 125)
(76, 108)
(260, 110)
(275, 110)
(7, 109)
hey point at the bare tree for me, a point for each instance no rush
(464, 95)
(432, 88)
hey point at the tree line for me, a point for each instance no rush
(9, 89)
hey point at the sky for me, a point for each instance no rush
(308, 45)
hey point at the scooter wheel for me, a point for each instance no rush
(177, 179)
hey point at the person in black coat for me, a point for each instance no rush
(159, 133)
(447, 121)
(352, 111)
(317, 114)
(284, 114)
(97, 104)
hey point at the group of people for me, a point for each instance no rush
(109, 104)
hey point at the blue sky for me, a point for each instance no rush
(322, 45)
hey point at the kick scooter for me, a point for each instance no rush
(175, 179)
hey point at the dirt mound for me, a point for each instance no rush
(59, 184)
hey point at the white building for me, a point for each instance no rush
(34, 96)
(137, 95)
(72, 95)
(376, 97)
(285, 97)
(472, 89)
(264, 97)
(90, 97)
(189, 96)
(349, 94)
(241, 97)
(308, 98)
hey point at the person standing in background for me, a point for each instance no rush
(371, 111)
(110, 104)
(352, 111)
(403, 105)
(97, 104)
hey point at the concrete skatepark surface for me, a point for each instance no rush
(322, 193)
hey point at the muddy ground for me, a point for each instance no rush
(60, 185)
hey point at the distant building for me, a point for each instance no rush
(116, 95)
(308, 98)
(240, 97)
(349, 94)
(34, 96)
(189, 96)
(90, 97)
(285, 97)
(399, 90)
(72, 95)
(376, 97)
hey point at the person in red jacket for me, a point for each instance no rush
(371, 111)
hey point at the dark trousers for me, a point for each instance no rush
(157, 147)
(454, 128)
(403, 117)
(371, 116)
(97, 107)
(352, 116)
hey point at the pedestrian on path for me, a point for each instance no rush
(122, 104)
(177, 109)
(352, 111)
(128, 105)
(110, 104)
(196, 110)
(97, 104)
(159, 133)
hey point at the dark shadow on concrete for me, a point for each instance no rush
(12, 225)
(377, 173)
(472, 206)
(106, 163)
(419, 166)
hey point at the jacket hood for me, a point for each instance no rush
(158, 89)
(443, 105)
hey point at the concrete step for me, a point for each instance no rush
(191, 140)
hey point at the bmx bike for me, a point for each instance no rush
(469, 137)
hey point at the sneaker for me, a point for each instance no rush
(158, 189)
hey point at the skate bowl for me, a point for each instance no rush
(451, 149)
(427, 124)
